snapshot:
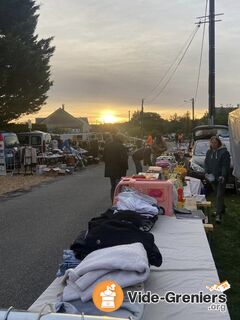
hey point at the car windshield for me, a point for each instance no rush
(11, 140)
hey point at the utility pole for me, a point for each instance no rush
(129, 115)
(211, 78)
(193, 109)
(192, 100)
(211, 81)
(142, 111)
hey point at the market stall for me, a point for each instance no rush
(188, 267)
(144, 246)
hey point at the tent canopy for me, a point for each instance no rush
(234, 130)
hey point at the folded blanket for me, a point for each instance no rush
(125, 264)
(127, 309)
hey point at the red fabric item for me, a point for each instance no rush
(149, 140)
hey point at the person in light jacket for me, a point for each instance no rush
(115, 157)
(217, 163)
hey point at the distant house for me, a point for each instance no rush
(63, 122)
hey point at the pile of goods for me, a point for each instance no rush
(180, 171)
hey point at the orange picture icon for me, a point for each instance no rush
(108, 296)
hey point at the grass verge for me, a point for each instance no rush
(225, 245)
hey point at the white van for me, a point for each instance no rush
(37, 139)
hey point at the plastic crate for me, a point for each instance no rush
(162, 191)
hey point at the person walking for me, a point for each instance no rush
(217, 167)
(115, 157)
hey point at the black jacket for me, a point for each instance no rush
(218, 162)
(142, 154)
(112, 233)
(115, 157)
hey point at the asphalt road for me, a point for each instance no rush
(36, 226)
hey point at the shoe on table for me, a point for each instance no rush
(218, 219)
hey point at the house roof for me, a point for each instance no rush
(84, 119)
(62, 119)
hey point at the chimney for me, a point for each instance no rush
(63, 107)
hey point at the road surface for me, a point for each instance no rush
(36, 226)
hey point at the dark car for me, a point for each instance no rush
(11, 149)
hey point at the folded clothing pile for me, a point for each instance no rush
(117, 246)
(115, 232)
(126, 265)
(144, 222)
(136, 201)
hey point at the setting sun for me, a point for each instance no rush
(108, 117)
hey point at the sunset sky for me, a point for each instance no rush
(111, 53)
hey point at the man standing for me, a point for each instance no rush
(115, 157)
(217, 166)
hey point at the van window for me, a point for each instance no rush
(24, 140)
(36, 141)
(11, 141)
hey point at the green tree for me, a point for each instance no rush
(24, 60)
(152, 122)
(186, 124)
(221, 115)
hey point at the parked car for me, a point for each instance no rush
(205, 132)
(196, 163)
(11, 149)
(37, 139)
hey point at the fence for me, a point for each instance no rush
(12, 159)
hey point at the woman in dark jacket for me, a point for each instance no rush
(158, 147)
(116, 161)
(217, 163)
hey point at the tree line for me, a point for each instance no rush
(140, 125)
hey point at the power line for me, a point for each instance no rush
(201, 54)
(178, 64)
(173, 63)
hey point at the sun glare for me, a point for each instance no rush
(108, 117)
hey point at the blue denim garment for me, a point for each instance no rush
(69, 261)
